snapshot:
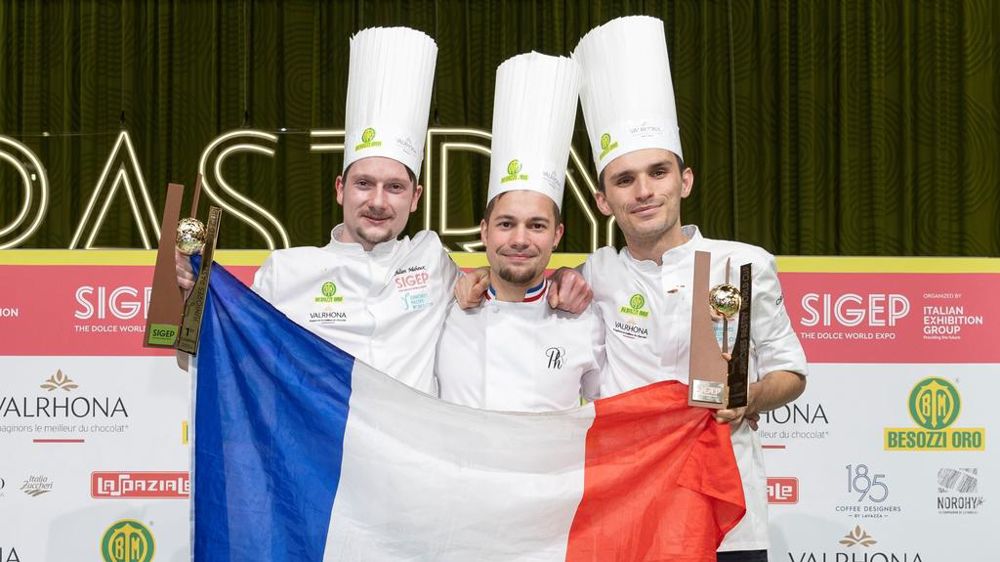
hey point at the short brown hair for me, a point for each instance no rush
(489, 209)
(409, 173)
(680, 166)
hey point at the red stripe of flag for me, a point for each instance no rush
(683, 491)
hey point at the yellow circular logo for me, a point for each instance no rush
(127, 541)
(513, 168)
(934, 403)
(367, 135)
(605, 141)
(329, 289)
(637, 301)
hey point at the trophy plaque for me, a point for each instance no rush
(172, 322)
(712, 382)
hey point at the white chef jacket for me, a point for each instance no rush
(650, 343)
(519, 356)
(385, 307)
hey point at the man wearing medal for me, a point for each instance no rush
(512, 351)
(644, 291)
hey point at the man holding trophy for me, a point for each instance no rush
(378, 296)
(645, 291)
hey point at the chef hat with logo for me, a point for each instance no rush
(534, 110)
(389, 95)
(627, 94)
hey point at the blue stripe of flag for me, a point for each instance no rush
(270, 414)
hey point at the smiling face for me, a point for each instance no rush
(378, 194)
(520, 231)
(643, 190)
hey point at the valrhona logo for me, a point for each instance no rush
(9, 554)
(858, 545)
(59, 401)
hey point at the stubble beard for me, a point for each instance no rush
(516, 276)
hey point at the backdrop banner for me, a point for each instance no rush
(887, 456)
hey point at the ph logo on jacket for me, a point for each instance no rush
(556, 357)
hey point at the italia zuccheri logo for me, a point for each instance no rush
(127, 541)
(934, 405)
(328, 293)
(636, 306)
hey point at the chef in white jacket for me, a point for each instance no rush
(378, 296)
(644, 290)
(513, 352)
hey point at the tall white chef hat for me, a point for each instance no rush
(534, 110)
(389, 95)
(627, 94)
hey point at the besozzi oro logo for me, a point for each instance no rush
(934, 404)
(127, 540)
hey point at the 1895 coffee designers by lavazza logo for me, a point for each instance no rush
(858, 545)
(867, 494)
(958, 491)
(934, 405)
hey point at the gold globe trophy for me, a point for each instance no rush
(173, 321)
(712, 381)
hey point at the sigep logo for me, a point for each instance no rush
(127, 541)
(367, 140)
(635, 306)
(934, 405)
(328, 292)
(514, 172)
(782, 490)
(123, 303)
(851, 309)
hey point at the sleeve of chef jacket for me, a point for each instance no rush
(265, 280)
(590, 384)
(777, 348)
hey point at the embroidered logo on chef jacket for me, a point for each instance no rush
(636, 306)
(328, 293)
(556, 357)
(630, 323)
(328, 311)
(412, 284)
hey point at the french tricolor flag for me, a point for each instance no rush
(303, 454)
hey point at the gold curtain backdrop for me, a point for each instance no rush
(856, 127)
